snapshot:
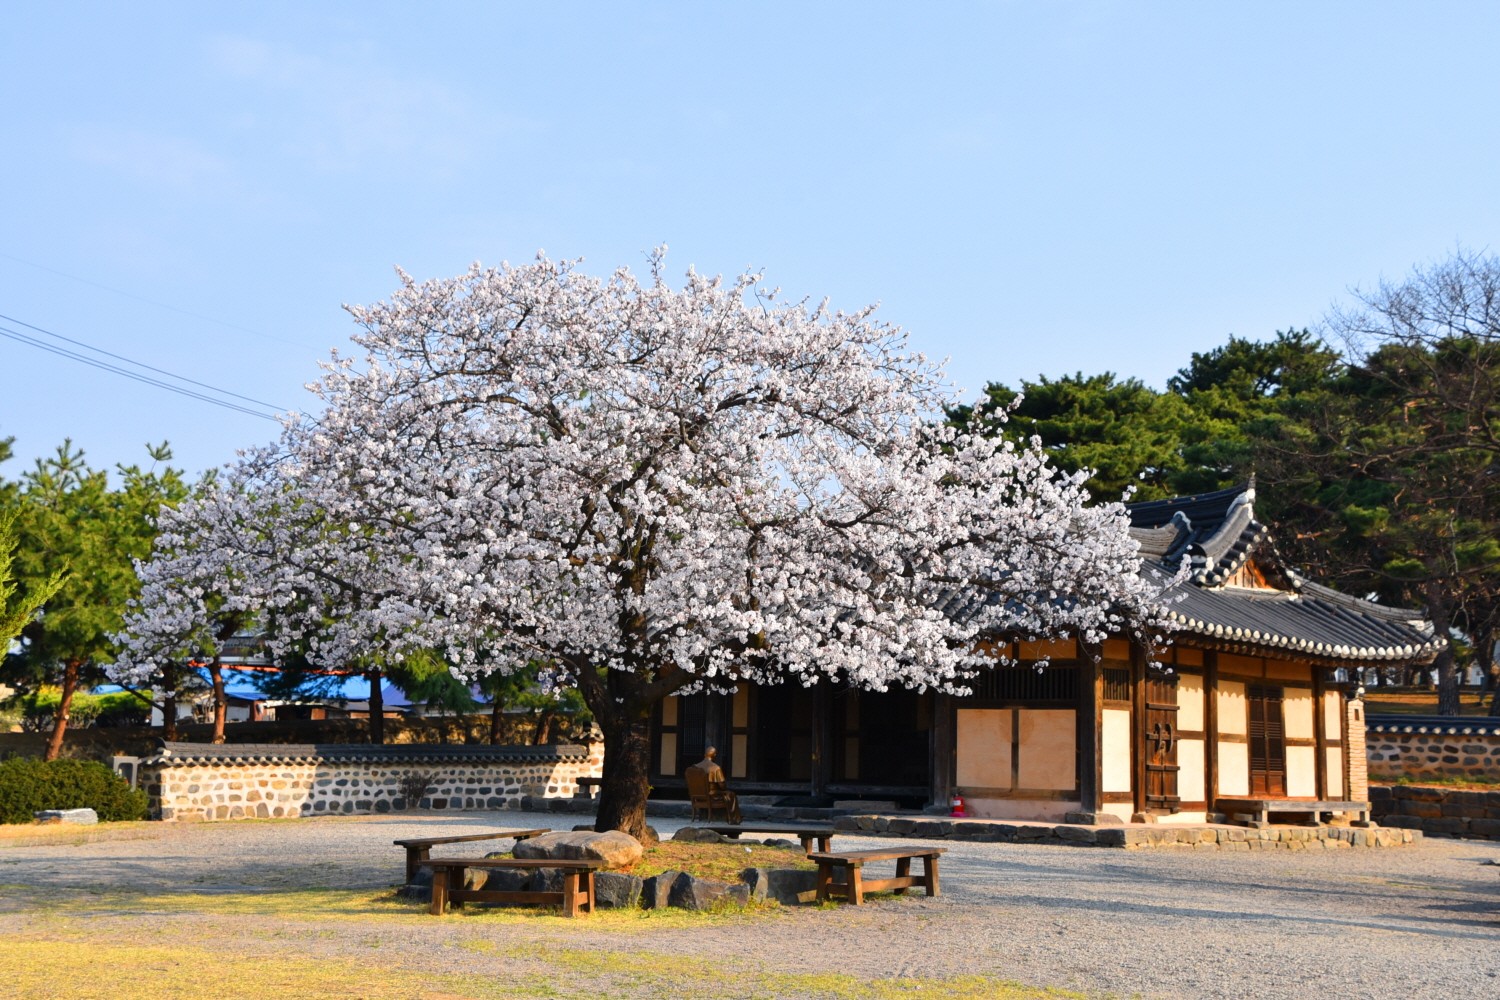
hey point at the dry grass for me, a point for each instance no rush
(333, 943)
(1418, 702)
(721, 862)
(68, 834)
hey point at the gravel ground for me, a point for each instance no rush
(1410, 922)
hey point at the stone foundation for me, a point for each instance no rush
(246, 781)
(1134, 837)
(1450, 812)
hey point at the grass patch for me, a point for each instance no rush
(68, 834)
(721, 862)
(1419, 702)
(1439, 783)
(46, 966)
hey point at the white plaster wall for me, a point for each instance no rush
(1115, 750)
(1333, 715)
(1301, 771)
(984, 736)
(1048, 747)
(1190, 773)
(1297, 711)
(1234, 711)
(1234, 768)
(1190, 703)
(1335, 758)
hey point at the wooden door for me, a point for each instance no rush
(1267, 741)
(1160, 719)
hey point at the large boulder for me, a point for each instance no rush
(656, 891)
(78, 817)
(691, 893)
(614, 849)
(695, 835)
(788, 886)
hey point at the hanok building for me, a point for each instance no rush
(1249, 699)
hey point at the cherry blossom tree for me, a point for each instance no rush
(657, 489)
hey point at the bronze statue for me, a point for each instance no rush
(707, 789)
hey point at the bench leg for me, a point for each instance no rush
(930, 874)
(903, 870)
(414, 858)
(856, 890)
(570, 894)
(823, 842)
(825, 880)
(439, 892)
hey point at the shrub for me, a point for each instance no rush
(121, 708)
(28, 785)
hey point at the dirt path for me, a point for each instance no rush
(1410, 923)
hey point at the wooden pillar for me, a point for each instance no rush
(1320, 732)
(1089, 726)
(944, 747)
(1210, 728)
(1138, 725)
(822, 723)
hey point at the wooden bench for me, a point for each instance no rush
(418, 850)
(807, 834)
(587, 786)
(1257, 812)
(576, 897)
(855, 885)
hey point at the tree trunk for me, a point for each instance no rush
(377, 707)
(543, 731)
(221, 700)
(169, 716)
(169, 703)
(64, 706)
(625, 784)
(496, 716)
(1447, 670)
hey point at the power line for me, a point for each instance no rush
(23, 338)
(139, 364)
(152, 302)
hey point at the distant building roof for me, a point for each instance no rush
(1216, 535)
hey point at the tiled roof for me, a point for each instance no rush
(1216, 534)
(179, 754)
(1433, 725)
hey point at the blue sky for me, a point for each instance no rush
(1027, 188)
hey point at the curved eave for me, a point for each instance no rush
(1257, 640)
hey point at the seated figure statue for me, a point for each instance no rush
(707, 790)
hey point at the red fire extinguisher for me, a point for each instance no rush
(957, 805)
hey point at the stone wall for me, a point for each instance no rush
(242, 781)
(1423, 748)
(1453, 812)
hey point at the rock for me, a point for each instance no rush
(78, 817)
(779, 842)
(694, 835)
(788, 886)
(614, 849)
(513, 880)
(656, 891)
(618, 890)
(416, 892)
(691, 893)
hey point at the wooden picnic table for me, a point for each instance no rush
(807, 833)
(419, 849)
(576, 897)
(855, 885)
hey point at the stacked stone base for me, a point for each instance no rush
(1203, 838)
(1444, 812)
